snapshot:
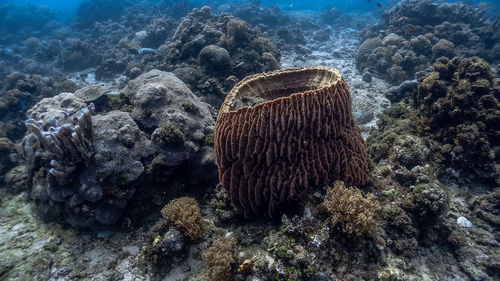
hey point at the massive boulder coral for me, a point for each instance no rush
(207, 48)
(120, 149)
(272, 154)
(97, 170)
(66, 146)
(85, 169)
(179, 123)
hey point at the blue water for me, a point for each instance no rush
(20, 19)
(66, 8)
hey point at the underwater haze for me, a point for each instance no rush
(347, 6)
(249, 140)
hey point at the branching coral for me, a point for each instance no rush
(219, 259)
(185, 215)
(347, 206)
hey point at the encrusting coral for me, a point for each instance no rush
(271, 154)
(219, 259)
(350, 209)
(184, 214)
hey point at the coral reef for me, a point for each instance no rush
(427, 209)
(355, 213)
(137, 37)
(335, 17)
(20, 22)
(92, 11)
(220, 259)
(206, 48)
(156, 33)
(90, 170)
(272, 154)
(176, 119)
(184, 214)
(460, 109)
(413, 34)
(77, 54)
(109, 44)
(18, 92)
(9, 156)
(286, 32)
(429, 183)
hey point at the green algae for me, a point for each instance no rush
(170, 134)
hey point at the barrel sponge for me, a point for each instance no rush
(270, 155)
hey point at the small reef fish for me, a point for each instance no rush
(146, 50)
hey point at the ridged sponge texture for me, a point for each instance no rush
(270, 155)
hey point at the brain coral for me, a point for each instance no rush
(271, 154)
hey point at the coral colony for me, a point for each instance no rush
(250, 140)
